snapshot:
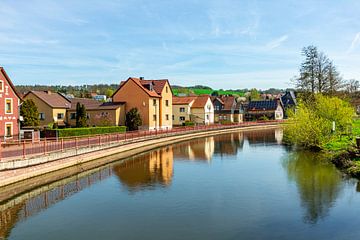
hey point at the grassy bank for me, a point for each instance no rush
(344, 153)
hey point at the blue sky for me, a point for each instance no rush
(223, 44)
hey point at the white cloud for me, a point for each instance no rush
(355, 42)
(277, 42)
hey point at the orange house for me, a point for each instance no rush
(152, 98)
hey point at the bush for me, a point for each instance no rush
(311, 123)
(188, 123)
(70, 132)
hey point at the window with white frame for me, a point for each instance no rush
(182, 118)
(60, 116)
(8, 129)
(182, 109)
(8, 105)
(42, 116)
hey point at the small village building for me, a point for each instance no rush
(196, 109)
(288, 101)
(51, 106)
(9, 107)
(152, 98)
(98, 114)
(265, 109)
(226, 109)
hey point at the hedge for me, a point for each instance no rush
(70, 132)
(188, 123)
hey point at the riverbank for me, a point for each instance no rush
(10, 177)
(344, 153)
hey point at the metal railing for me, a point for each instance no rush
(17, 150)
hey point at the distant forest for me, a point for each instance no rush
(108, 90)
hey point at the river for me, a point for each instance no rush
(243, 185)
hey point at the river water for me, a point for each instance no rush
(243, 185)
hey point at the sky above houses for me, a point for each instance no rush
(223, 44)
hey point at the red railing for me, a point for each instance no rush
(17, 150)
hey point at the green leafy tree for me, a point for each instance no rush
(311, 122)
(80, 115)
(254, 95)
(109, 92)
(30, 114)
(133, 119)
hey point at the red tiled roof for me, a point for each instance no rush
(200, 101)
(54, 100)
(182, 100)
(137, 82)
(158, 85)
(228, 102)
(91, 104)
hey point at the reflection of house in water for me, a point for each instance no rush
(264, 137)
(198, 149)
(148, 170)
(30, 203)
(229, 144)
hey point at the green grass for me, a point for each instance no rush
(346, 141)
(200, 91)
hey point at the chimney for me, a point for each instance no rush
(141, 78)
(48, 92)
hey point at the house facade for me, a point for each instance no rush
(98, 114)
(266, 109)
(52, 107)
(152, 98)
(9, 107)
(226, 109)
(197, 109)
(182, 110)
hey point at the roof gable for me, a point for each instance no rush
(54, 100)
(10, 83)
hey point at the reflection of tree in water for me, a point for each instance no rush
(318, 183)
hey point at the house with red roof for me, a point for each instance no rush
(227, 109)
(152, 98)
(9, 107)
(196, 109)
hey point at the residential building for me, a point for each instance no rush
(9, 107)
(288, 100)
(152, 98)
(226, 109)
(101, 98)
(265, 109)
(197, 109)
(182, 110)
(51, 106)
(98, 114)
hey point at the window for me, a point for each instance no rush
(87, 115)
(167, 103)
(154, 102)
(72, 115)
(182, 118)
(8, 106)
(1, 86)
(104, 114)
(217, 108)
(182, 109)
(60, 116)
(207, 117)
(154, 117)
(167, 116)
(42, 116)
(166, 89)
(173, 117)
(8, 130)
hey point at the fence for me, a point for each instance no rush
(24, 149)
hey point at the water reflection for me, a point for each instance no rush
(201, 149)
(147, 171)
(317, 181)
(266, 137)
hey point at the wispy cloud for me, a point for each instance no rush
(355, 42)
(277, 42)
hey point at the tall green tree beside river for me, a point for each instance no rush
(311, 122)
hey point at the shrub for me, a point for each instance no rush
(188, 123)
(311, 122)
(70, 132)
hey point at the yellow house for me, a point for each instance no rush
(98, 114)
(152, 98)
(197, 109)
(51, 106)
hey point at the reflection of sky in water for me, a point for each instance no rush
(233, 186)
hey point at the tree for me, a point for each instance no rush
(133, 119)
(311, 122)
(254, 95)
(80, 115)
(30, 114)
(109, 92)
(318, 73)
(215, 94)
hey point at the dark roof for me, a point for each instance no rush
(288, 99)
(262, 105)
(53, 99)
(91, 104)
(10, 83)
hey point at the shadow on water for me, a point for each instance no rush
(318, 183)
